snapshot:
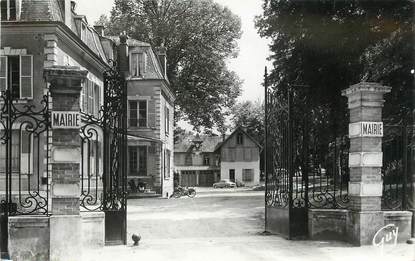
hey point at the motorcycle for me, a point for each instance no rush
(180, 191)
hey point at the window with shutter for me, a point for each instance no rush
(167, 122)
(132, 114)
(142, 117)
(3, 73)
(26, 77)
(90, 97)
(8, 10)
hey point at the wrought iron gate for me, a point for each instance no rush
(306, 166)
(286, 181)
(104, 155)
(24, 155)
(396, 170)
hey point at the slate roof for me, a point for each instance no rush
(209, 144)
(41, 10)
(239, 129)
(53, 10)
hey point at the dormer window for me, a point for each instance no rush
(8, 10)
(138, 64)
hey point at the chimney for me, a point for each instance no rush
(67, 14)
(100, 29)
(123, 64)
(162, 56)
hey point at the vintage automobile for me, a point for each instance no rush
(224, 183)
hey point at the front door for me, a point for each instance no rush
(232, 175)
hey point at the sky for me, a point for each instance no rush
(253, 50)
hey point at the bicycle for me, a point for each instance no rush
(180, 191)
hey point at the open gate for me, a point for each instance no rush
(285, 189)
(306, 160)
(104, 159)
(24, 155)
(396, 171)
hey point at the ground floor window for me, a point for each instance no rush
(247, 175)
(167, 164)
(137, 160)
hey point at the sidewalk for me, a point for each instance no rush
(254, 248)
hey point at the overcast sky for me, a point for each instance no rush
(253, 50)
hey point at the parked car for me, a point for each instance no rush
(224, 183)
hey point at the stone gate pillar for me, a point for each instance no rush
(65, 223)
(365, 102)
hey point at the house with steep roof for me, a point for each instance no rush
(201, 160)
(195, 161)
(150, 118)
(240, 158)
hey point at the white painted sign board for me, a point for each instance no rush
(66, 120)
(366, 129)
(372, 129)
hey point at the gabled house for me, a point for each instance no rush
(240, 158)
(195, 161)
(204, 160)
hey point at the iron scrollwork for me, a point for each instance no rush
(24, 155)
(103, 138)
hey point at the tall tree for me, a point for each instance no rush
(200, 36)
(249, 115)
(328, 45)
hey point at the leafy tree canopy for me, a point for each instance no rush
(329, 45)
(200, 36)
(249, 115)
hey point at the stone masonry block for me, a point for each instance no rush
(66, 102)
(365, 189)
(359, 203)
(358, 144)
(65, 205)
(365, 114)
(366, 174)
(363, 225)
(66, 137)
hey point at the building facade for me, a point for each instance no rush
(195, 161)
(36, 35)
(240, 158)
(204, 160)
(150, 119)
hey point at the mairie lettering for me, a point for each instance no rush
(66, 120)
(372, 129)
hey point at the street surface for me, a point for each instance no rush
(224, 224)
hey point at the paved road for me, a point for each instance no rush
(223, 225)
(217, 215)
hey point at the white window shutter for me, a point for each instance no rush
(3, 73)
(145, 62)
(26, 76)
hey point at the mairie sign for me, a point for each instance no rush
(66, 120)
(366, 129)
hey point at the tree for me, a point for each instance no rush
(200, 36)
(329, 45)
(250, 115)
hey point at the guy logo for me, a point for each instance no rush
(387, 234)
